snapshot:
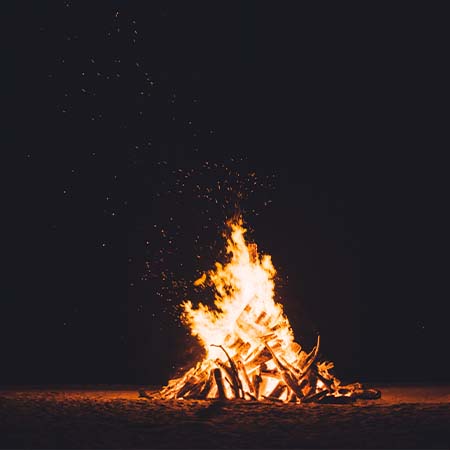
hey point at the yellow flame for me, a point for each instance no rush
(200, 281)
(244, 302)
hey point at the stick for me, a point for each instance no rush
(219, 381)
(312, 356)
(288, 378)
(260, 357)
(252, 397)
(314, 397)
(256, 384)
(241, 367)
(272, 399)
(292, 398)
(328, 383)
(237, 384)
(332, 400)
(278, 390)
(206, 387)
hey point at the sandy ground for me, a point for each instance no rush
(406, 417)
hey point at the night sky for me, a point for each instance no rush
(135, 129)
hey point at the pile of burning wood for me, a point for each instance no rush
(255, 372)
(250, 351)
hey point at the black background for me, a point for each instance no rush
(343, 105)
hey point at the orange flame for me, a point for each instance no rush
(244, 303)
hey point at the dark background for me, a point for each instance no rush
(330, 118)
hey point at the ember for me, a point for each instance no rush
(250, 349)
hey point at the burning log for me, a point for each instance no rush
(311, 378)
(263, 355)
(236, 382)
(237, 344)
(241, 367)
(206, 387)
(194, 393)
(190, 383)
(302, 385)
(263, 319)
(185, 389)
(367, 394)
(257, 380)
(271, 373)
(286, 375)
(291, 367)
(278, 390)
(233, 340)
(327, 383)
(315, 397)
(234, 387)
(219, 382)
(272, 399)
(336, 400)
(252, 397)
(311, 356)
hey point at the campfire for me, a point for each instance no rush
(250, 351)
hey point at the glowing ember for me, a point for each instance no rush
(249, 343)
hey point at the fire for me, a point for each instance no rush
(250, 348)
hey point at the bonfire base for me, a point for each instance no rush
(304, 381)
(322, 397)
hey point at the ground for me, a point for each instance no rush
(115, 417)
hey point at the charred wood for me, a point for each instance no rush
(219, 382)
(241, 367)
(289, 379)
(272, 399)
(328, 383)
(231, 342)
(292, 398)
(367, 394)
(311, 377)
(311, 356)
(263, 319)
(256, 384)
(292, 368)
(252, 397)
(272, 373)
(332, 400)
(206, 387)
(188, 386)
(301, 385)
(194, 393)
(343, 391)
(261, 357)
(314, 397)
(232, 372)
(229, 374)
(278, 390)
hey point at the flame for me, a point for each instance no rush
(200, 281)
(244, 301)
(247, 337)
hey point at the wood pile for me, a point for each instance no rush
(254, 369)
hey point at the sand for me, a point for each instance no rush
(406, 417)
